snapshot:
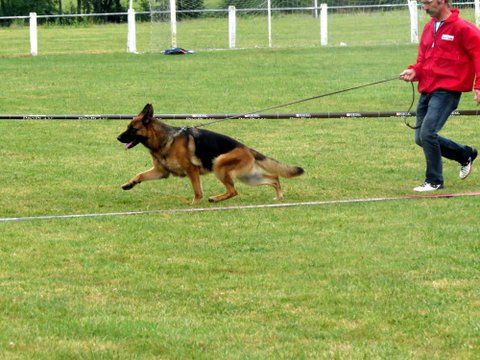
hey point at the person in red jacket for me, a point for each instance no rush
(448, 63)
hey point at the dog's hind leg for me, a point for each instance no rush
(227, 167)
(226, 180)
(257, 178)
(154, 173)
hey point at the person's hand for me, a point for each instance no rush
(408, 75)
(476, 96)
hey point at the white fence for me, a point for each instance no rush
(322, 25)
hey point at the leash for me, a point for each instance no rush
(312, 98)
(409, 109)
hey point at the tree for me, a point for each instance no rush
(24, 7)
(102, 6)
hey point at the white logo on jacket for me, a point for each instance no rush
(448, 37)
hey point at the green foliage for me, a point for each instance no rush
(24, 7)
(144, 5)
(190, 4)
(181, 5)
(101, 6)
(241, 4)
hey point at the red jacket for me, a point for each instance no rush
(449, 59)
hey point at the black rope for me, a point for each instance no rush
(301, 101)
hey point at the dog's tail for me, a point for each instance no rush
(274, 167)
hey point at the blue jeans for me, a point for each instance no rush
(433, 111)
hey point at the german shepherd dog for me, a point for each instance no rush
(193, 152)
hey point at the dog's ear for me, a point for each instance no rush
(147, 113)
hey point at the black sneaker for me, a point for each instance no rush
(466, 168)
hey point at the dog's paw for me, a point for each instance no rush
(128, 186)
(196, 200)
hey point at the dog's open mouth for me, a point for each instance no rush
(131, 144)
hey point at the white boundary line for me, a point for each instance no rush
(238, 207)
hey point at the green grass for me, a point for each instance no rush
(234, 81)
(386, 280)
(241, 285)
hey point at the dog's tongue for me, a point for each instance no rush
(127, 146)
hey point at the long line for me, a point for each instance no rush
(299, 101)
(299, 115)
(237, 207)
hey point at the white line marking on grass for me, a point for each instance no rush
(238, 207)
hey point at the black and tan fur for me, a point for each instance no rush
(193, 152)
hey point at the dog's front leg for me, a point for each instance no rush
(154, 173)
(194, 175)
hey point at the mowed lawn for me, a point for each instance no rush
(397, 279)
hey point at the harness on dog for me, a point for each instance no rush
(207, 145)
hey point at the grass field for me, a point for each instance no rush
(391, 280)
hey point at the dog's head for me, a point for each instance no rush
(138, 129)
